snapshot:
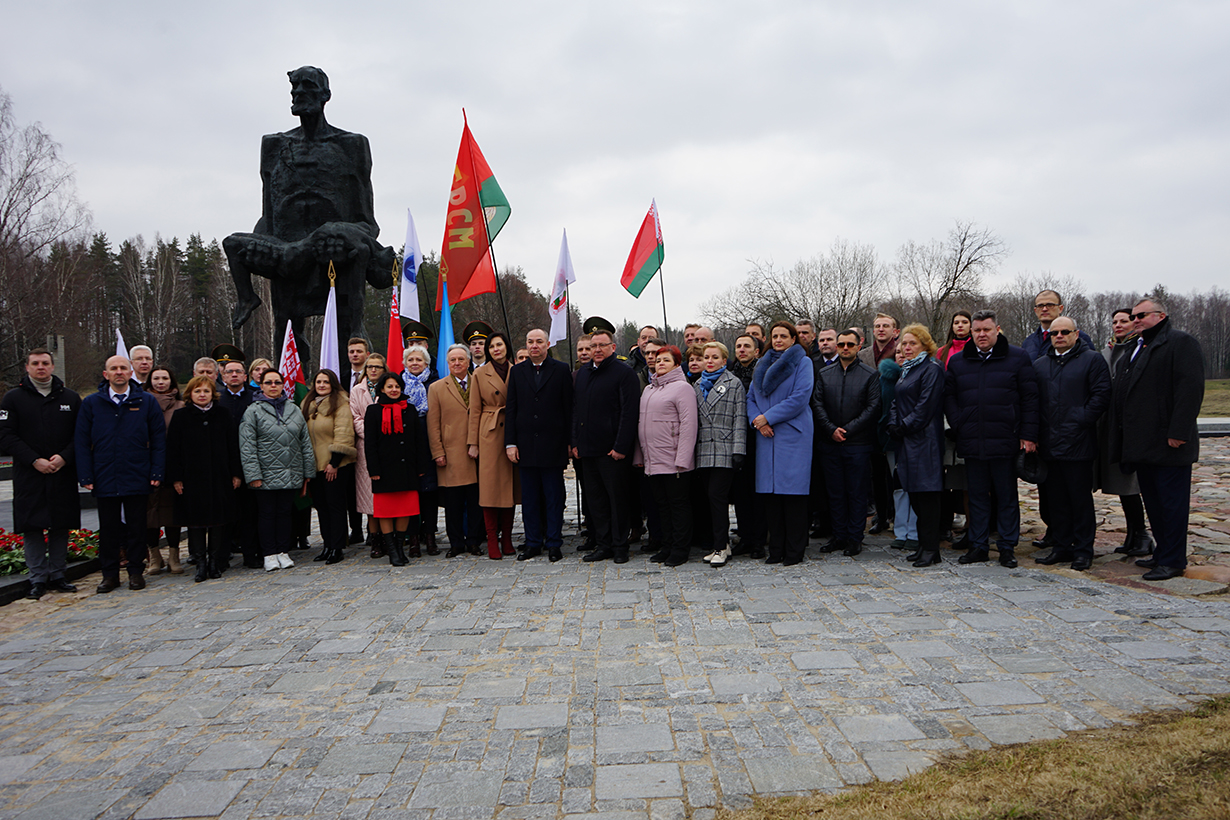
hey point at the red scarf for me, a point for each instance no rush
(391, 420)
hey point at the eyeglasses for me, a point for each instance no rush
(375, 367)
(1046, 305)
(847, 344)
(1061, 332)
(1138, 316)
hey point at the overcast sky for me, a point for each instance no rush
(1091, 136)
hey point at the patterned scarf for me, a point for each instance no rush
(707, 380)
(416, 391)
(910, 364)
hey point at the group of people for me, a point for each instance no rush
(798, 430)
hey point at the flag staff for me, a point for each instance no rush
(498, 290)
(662, 287)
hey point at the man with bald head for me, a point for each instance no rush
(120, 443)
(538, 420)
(1073, 393)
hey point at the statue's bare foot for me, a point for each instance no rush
(243, 310)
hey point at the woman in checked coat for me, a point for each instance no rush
(721, 443)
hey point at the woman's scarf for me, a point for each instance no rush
(707, 380)
(391, 415)
(416, 390)
(279, 404)
(775, 368)
(501, 368)
(910, 364)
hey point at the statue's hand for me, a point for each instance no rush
(339, 241)
(262, 256)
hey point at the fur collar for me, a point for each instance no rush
(772, 373)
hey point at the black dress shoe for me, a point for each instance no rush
(675, 561)
(1147, 563)
(60, 585)
(877, 526)
(790, 562)
(36, 591)
(928, 558)
(1007, 560)
(599, 555)
(756, 553)
(1082, 563)
(107, 585)
(1162, 573)
(1141, 545)
(527, 554)
(324, 554)
(136, 582)
(975, 557)
(453, 552)
(660, 557)
(852, 550)
(554, 554)
(773, 559)
(1055, 556)
(1044, 543)
(620, 556)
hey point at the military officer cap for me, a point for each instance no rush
(476, 330)
(224, 353)
(416, 332)
(596, 323)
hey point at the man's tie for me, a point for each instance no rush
(119, 398)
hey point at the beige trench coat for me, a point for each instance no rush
(498, 482)
(448, 424)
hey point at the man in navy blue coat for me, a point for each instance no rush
(121, 453)
(991, 400)
(538, 420)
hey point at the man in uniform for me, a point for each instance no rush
(475, 335)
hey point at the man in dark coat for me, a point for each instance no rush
(1158, 390)
(846, 405)
(121, 451)
(604, 421)
(37, 421)
(236, 396)
(1073, 393)
(1048, 306)
(538, 418)
(991, 400)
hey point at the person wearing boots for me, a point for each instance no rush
(418, 376)
(1137, 543)
(160, 510)
(392, 439)
(204, 472)
(331, 428)
(121, 446)
(499, 486)
(37, 420)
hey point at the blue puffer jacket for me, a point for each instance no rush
(120, 448)
(1074, 392)
(992, 403)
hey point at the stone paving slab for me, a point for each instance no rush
(466, 688)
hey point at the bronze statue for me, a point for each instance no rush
(316, 206)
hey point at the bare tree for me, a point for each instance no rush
(942, 276)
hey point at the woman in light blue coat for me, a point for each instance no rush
(779, 408)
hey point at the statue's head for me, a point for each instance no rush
(309, 90)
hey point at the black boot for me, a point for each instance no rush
(1128, 538)
(393, 542)
(599, 555)
(432, 548)
(926, 559)
(335, 555)
(974, 557)
(412, 545)
(196, 548)
(1142, 544)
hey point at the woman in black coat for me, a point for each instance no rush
(203, 467)
(391, 444)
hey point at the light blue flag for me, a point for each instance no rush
(446, 332)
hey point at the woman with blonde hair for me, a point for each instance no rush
(363, 397)
(331, 428)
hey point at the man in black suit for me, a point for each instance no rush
(538, 418)
(604, 423)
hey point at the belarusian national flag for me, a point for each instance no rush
(558, 306)
(465, 255)
(289, 365)
(394, 360)
(647, 254)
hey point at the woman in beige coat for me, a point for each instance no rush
(448, 426)
(364, 396)
(331, 428)
(499, 487)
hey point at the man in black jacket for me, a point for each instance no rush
(1073, 393)
(846, 405)
(37, 423)
(1158, 389)
(538, 418)
(604, 423)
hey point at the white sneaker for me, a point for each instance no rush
(710, 556)
(719, 559)
(284, 561)
(271, 563)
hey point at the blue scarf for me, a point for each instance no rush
(416, 393)
(910, 364)
(707, 380)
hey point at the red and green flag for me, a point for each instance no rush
(477, 210)
(647, 253)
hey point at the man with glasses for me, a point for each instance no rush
(846, 406)
(1073, 393)
(1048, 306)
(1158, 390)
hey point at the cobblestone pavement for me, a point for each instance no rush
(468, 688)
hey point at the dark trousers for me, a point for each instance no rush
(881, 487)
(847, 474)
(1069, 488)
(245, 536)
(542, 507)
(275, 520)
(121, 526)
(211, 541)
(749, 507)
(987, 476)
(354, 517)
(715, 482)
(926, 507)
(1133, 511)
(606, 487)
(329, 498)
(648, 507)
(46, 554)
(1167, 493)
(429, 512)
(702, 519)
(671, 493)
(819, 506)
(787, 515)
(463, 518)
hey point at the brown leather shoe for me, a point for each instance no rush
(107, 585)
(136, 582)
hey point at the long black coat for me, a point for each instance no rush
(607, 408)
(538, 418)
(203, 452)
(32, 427)
(395, 457)
(992, 403)
(1073, 392)
(1161, 396)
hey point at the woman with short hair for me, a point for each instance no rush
(417, 361)
(326, 408)
(721, 443)
(666, 448)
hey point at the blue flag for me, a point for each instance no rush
(446, 332)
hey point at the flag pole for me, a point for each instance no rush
(662, 287)
(498, 290)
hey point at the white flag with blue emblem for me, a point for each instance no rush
(408, 297)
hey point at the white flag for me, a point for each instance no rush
(121, 349)
(329, 357)
(408, 302)
(564, 276)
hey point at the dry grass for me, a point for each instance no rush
(1165, 766)
(1216, 398)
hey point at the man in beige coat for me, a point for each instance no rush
(448, 425)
